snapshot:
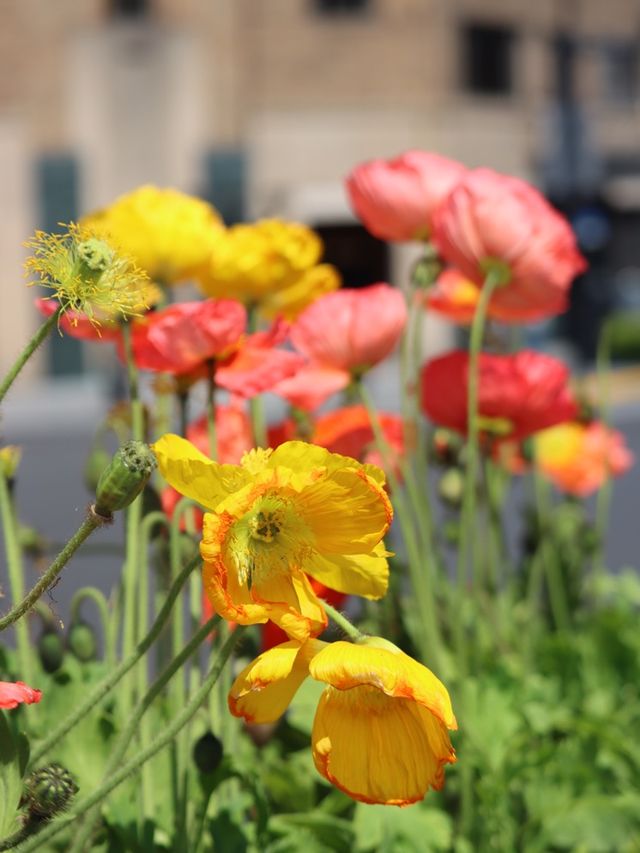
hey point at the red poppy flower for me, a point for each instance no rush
(491, 219)
(518, 394)
(16, 693)
(78, 325)
(395, 199)
(348, 431)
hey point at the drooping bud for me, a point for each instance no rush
(207, 753)
(50, 650)
(49, 790)
(82, 642)
(124, 478)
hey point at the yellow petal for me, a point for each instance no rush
(190, 472)
(378, 749)
(347, 512)
(354, 574)
(263, 690)
(347, 665)
(292, 604)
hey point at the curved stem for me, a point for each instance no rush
(342, 622)
(110, 681)
(40, 335)
(189, 710)
(118, 751)
(15, 569)
(48, 578)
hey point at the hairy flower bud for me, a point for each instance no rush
(207, 753)
(9, 460)
(49, 790)
(82, 642)
(50, 650)
(124, 478)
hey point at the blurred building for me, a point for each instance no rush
(263, 107)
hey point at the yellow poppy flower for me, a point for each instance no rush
(380, 729)
(272, 264)
(277, 517)
(168, 233)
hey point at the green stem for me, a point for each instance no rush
(118, 751)
(111, 680)
(552, 568)
(342, 622)
(48, 578)
(94, 594)
(603, 500)
(419, 559)
(169, 733)
(256, 404)
(211, 410)
(15, 569)
(28, 351)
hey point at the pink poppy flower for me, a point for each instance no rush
(342, 334)
(496, 220)
(16, 693)
(455, 297)
(395, 199)
(78, 325)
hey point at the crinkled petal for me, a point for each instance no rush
(263, 690)
(190, 472)
(379, 749)
(347, 665)
(353, 574)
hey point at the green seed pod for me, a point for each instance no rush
(49, 790)
(207, 753)
(82, 642)
(97, 461)
(51, 650)
(124, 478)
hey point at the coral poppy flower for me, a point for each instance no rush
(579, 457)
(277, 517)
(78, 325)
(272, 264)
(518, 394)
(348, 431)
(343, 334)
(178, 339)
(456, 297)
(16, 693)
(495, 221)
(395, 199)
(380, 729)
(168, 233)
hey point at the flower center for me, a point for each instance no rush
(265, 525)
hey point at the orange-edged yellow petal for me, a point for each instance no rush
(378, 749)
(347, 512)
(192, 474)
(263, 690)
(292, 604)
(354, 574)
(382, 665)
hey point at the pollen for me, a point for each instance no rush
(265, 526)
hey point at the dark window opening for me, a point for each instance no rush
(620, 67)
(129, 8)
(340, 7)
(360, 258)
(488, 59)
(225, 183)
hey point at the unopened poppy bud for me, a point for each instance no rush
(97, 461)
(124, 478)
(82, 642)
(9, 460)
(49, 790)
(451, 487)
(50, 650)
(207, 753)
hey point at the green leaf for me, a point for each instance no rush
(415, 829)
(12, 759)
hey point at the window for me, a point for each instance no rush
(361, 258)
(225, 182)
(340, 7)
(129, 8)
(620, 71)
(487, 59)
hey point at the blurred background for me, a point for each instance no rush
(262, 108)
